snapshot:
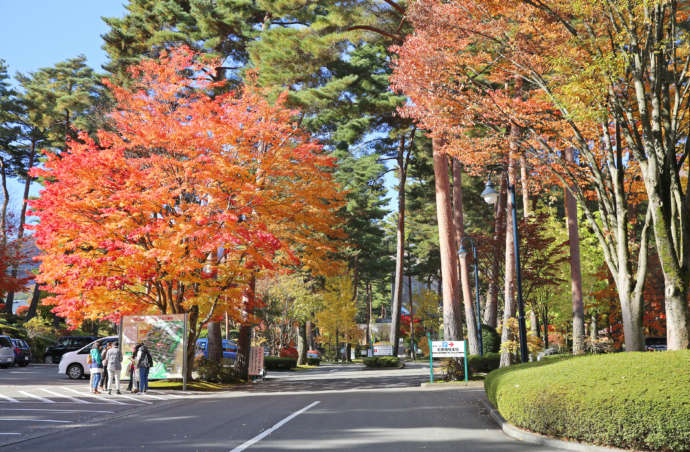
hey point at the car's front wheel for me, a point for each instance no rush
(75, 371)
(48, 359)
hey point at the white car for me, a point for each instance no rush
(6, 352)
(73, 364)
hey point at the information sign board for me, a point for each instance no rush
(256, 361)
(448, 349)
(163, 335)
(383, 350)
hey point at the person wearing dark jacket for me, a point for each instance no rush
(143, 362)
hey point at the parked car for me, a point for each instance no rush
(229, 348)
(73, 364)
(65, 344)
(6, 352)
(22, 352)
(655, 344)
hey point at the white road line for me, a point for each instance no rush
(57, 411)
(42, 399)
(9, 398)
(64, 396)
(2, 433)
(103, 399)
(35, 420)
(135, 399)
(265, 433)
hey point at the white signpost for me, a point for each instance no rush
(446, 349)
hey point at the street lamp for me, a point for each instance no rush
(462, 252)
(491, 196)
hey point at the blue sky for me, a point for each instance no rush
(40, 33)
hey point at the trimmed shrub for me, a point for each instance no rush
(382, 361)
(485, 363)
(216, 372)
(491, 340)
(279, 363)
(634, 400)
(313, 361)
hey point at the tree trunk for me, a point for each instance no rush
(526, 204)
(368, 314)
(244, 339)
(355, 277)
(409, 287)
(310, 333)
(3, 219)
(545, 325)
(491, 308)
(215, 342)
(192, 336)
(33, 306)
(459, 222)
(448, 248)
(5, 202)
(302, 343)
(508, 299)
(400, 248)
(575, 272)
(593, 334)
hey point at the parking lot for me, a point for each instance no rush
(35, 400)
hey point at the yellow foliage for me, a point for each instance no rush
(534, 343)
(339, 311)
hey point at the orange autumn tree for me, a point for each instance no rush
(176, 209)
(476, 69)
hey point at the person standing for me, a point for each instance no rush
(104, 377)
(113, 359)
(144, 362)
(96, 367)
(133, 385)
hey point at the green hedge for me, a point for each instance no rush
(382, 361)
(485, 363)
(636, 400)
(313, 361)
(277, 363)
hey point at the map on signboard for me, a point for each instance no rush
(163, 335)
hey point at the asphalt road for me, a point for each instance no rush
(35, 401)
(332, 408)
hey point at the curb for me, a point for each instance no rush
(460, 384)
(538, 439)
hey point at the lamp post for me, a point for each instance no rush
(491, 196)
(462, 253)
